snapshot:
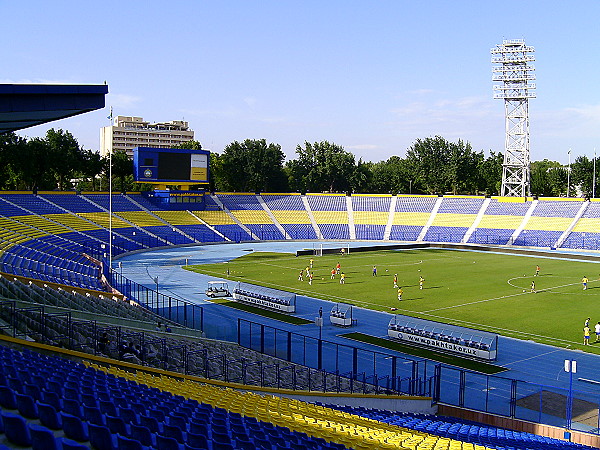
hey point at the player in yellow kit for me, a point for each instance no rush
(584, 281)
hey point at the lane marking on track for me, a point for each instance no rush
(533, 357)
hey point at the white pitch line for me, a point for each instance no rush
(501, 297)
(500, 330)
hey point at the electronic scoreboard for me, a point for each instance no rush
(175, 166)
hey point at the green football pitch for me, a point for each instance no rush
(479, 290)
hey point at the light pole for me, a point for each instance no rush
(110, 252)
(514, 72)
(594, 177)
(569, 173)
(571, 367)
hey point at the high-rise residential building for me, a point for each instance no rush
(127, 132)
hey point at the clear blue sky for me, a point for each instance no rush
(372, 76)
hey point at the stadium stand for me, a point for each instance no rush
(54, 316)
(454, 217)
(331, 215)
(549, 219)
(461, 430)
(290, 213)
(410, 216)
(59, 239)
(190, 224)
(108, 407)
(499, 222)
(248, 210)
(585, 234)
(371, 214)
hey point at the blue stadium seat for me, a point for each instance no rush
(7, 398)
(199, 425)
(167, 443)
(26, 406)
(125, 443)
(72, 407)
(128, 415)
(247, 445)
(52, 398)
(68, 444)
(74, 427)
(15, 429)
(101, 438)
(197, 440)
(150, 422)
(94, 415)
(108, 407)
(48, 416)
(142, 434)
(116, 425)
(173, 432)
(42, 438)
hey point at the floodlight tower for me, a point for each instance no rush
(513, 69)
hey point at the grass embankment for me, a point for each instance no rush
(262, 312)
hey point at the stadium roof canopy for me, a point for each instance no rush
(27, 105)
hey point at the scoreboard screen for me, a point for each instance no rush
(170, 165)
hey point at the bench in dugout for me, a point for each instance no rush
(265, 297)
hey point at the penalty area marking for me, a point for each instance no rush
(509, 281)
(502, 296)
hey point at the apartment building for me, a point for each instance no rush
(127, 132)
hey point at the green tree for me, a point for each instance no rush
(64, 156)
(582, 175)
(429, 160)
(190, 145)
(548, 178)
(92, 166)
(393, 176)
(464, 175)
(439, 166)
(33, 166)
(362, 178)
(321, 166)
(490, 174)
(253, 166)
(122, 169)
(216, 176)
(12, 155)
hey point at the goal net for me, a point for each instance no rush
(331, 249)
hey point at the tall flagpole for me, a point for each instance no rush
(569, 173)
(594, 177)
(110, 195)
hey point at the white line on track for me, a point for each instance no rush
(532, 357)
